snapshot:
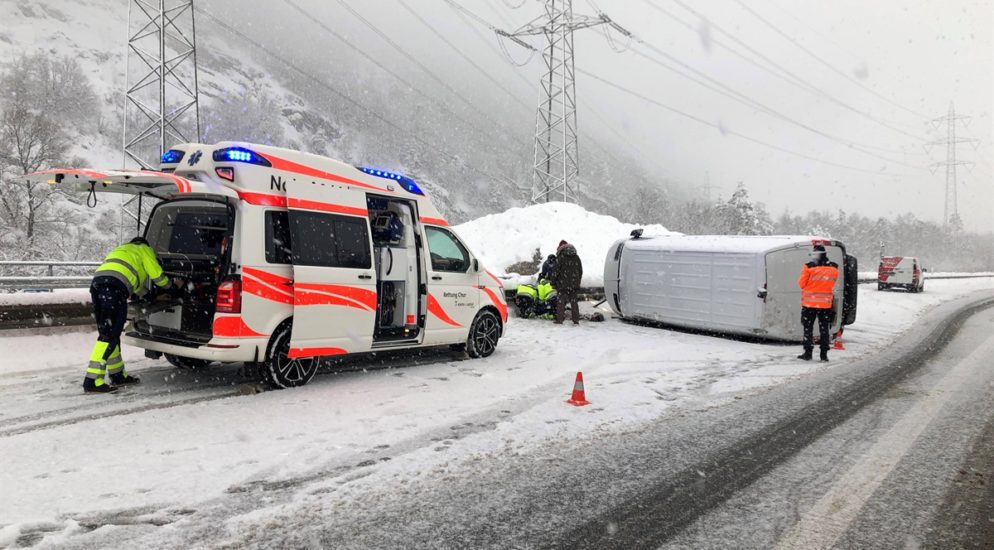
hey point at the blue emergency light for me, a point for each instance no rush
(240, 154)
(172, 156)
(404, 181)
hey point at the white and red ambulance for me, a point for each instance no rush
(291, 257)
(901, 272)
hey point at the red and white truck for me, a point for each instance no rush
(901, 272)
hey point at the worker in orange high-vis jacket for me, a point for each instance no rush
(817, 284)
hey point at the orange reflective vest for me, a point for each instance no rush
(817, 283)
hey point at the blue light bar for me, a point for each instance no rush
(172, 156)
(407, 183)
(240, 154)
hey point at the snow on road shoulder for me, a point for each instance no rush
(510, 237)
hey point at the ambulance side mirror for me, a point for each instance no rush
(476, 265)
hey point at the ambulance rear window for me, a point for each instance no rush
(278, 237)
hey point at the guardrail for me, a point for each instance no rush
(13, 274)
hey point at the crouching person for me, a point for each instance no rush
(127, 270)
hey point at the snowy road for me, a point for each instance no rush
(440, 453)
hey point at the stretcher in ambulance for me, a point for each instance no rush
(291, 257)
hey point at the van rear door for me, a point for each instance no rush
(334, 286)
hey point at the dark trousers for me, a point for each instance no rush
(824, 317)
(567, 298)
(110, 307)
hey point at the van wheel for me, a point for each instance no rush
(186, 362)
(881, 286)
(483, 335)
(278, 370)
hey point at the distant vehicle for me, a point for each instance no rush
(290, 257)
(740, 285)
(901, 272)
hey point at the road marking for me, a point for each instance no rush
(829, 518)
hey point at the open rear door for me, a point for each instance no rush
(334, 285)
(129, 182)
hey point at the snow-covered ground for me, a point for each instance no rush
(512, 236)
(172, 454)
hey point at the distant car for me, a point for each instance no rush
(901, 272)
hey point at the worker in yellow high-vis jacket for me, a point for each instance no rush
(129, 269)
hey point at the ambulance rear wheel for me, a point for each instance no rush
(279, 371)
(483, 335)
(186, 362)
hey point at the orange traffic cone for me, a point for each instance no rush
(579, 397)
(838, 342)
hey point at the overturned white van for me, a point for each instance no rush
(742, 285)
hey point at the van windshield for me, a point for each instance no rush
(191, 228)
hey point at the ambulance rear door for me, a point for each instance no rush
(334, 285)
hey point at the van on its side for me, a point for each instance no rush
(901, 272)
(291, 257)
(742, 285)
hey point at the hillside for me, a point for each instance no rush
(475, 165)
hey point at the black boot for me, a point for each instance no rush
(124, 379)
(824, 355)
(806, 356)
(90, 386)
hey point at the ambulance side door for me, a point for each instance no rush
(334, 285)
(453, 287)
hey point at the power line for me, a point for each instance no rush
(728, 131)
(784, 74)
(466, 16)
(418, 63)
(727, 91)
(831, 67)
(430, 147)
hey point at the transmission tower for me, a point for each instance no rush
(161, 104)
(557, 156)
(951, 207)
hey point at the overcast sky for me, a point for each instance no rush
(853, 110)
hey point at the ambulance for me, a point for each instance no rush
(901, 272)
(291, 257)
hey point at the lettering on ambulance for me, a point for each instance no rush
(453, 298)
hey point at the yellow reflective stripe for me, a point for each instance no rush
(99, 349)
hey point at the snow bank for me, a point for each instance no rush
(501, 240)
(58, 296)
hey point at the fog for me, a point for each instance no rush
(853, 110)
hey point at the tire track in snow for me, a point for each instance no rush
(663, 510)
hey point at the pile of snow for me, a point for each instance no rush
(501, 240)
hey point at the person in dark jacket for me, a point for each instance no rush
(547, 268)
(566, 276)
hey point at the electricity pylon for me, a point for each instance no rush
(557, 156)
(161, 103)
(951, 207)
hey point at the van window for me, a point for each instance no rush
(447, 253)
(329, 240)
(188, 229)
(278, 237)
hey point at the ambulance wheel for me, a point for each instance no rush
(278, 370)
(186, 362)
(483, 335)
(881, 286)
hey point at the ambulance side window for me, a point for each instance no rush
(278, 249)
(447, 253)
(330, 240)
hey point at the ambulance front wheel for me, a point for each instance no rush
(483, 335)
(278, 370)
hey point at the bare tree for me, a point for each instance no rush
(39, 99)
